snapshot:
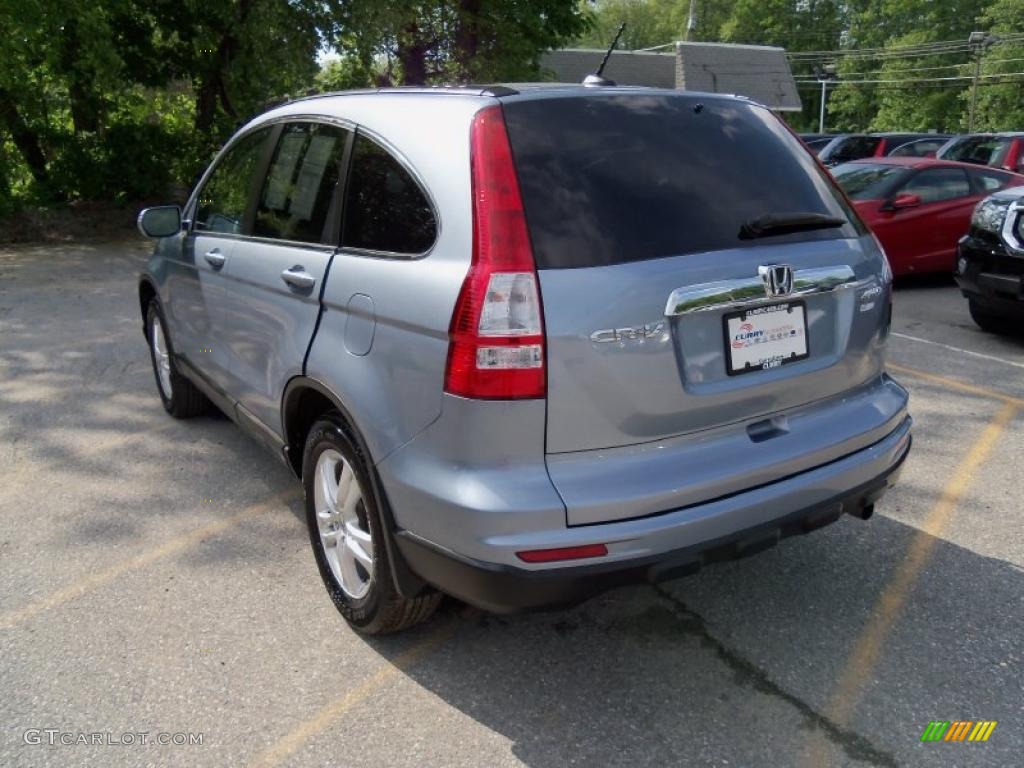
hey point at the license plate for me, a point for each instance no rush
(763, 338)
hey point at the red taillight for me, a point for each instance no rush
(562, 553)
(497, 330)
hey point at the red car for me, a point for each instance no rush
(918, 207)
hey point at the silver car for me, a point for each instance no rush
(523, 344)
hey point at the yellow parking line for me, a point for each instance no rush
(890, 603)
(95, 581)
(329, 713)
(962, 386)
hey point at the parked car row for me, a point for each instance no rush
(935, 215)
(996, 150)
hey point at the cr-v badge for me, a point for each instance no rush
(637, 333)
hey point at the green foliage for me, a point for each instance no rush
(128, 99)
(1001, 106)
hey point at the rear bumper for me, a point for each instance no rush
(676, 543)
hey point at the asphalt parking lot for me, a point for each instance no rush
(155, 576)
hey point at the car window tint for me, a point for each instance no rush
(990, 181)
(223, 199)
(919, 148)
(864, 181)
(854, 148)
(981, 150)
(607, 179)
(937, 184)
(386, 210)
(303, 174)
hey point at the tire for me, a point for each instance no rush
(347, 535)
(180, 397)
(989, 322)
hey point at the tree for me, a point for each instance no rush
(418, 43)
(1000, 106)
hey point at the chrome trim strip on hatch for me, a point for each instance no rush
(744, 291)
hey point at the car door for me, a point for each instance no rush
(924, 236)
(196, 285)
(275, 275)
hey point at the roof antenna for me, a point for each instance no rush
(596, 78)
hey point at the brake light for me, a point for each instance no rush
(496, 339)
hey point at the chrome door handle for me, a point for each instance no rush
(215, 258)
(298, 277)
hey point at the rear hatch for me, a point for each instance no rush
(659, 224)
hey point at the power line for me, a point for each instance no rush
(843, 75)
(927, 85)
(904, 50)
(929, 79)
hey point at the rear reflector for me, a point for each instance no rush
(562, 553)
(496, 348)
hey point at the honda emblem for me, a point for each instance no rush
(777, 278)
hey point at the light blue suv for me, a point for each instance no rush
(525, 344)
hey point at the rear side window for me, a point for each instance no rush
(300, 183)
(223, 199)
(937, 184)
(990, 181)
(386, 210)
(607, 179)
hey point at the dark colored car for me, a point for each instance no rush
(816, 141)
(990, 263)
(997, 150)
(856, 146)
(918, 207)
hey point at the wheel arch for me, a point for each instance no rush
(147, 292)
(304, 401)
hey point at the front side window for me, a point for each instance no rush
(938, 184)
(300, 183)
(386, 210)
(223, 199)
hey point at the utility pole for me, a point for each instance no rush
(978, 41)
(825, 75)
(691, 23)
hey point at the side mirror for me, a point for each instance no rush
(903, 201)
(161, 221)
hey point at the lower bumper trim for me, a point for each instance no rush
(506, 589)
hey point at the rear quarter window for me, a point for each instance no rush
(608, 179)
(386, 209)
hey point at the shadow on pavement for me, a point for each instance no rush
(736, 665)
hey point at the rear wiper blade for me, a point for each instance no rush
(784, 223)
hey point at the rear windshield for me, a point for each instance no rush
(615, 178)
(864, 181)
